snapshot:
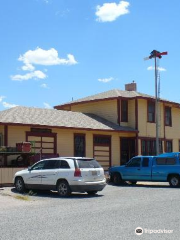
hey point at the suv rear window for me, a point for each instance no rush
(88, 163)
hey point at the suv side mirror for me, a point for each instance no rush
(29, 168)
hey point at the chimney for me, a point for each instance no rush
(131, 86)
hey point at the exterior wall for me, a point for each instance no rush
(145, 128)
(104, 109)
(65, 145)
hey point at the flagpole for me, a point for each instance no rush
(156, 109)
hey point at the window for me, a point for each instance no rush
(64, 164)
(168, 147)
(124, 111)
(151, 111)
(39, 165)
(165, 161)
(135, 162)
(51, 164)
(1, 140)
(168, 118)
(102, 140)
(88, 163)
(145, 162)
(79, 145)
(148, 147)
(41, 130)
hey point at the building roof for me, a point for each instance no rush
(58, 118)
(113, 94)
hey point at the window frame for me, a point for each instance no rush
(169, 121)
(166, 147)
(153, 112)
(124, 111)
(1, 139)
(80, 135)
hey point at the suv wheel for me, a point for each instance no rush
(19, 184)
(174, 181)
(63, 189)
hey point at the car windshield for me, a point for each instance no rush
(88, 163)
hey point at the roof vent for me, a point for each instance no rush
(131, 86)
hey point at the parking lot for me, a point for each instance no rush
(114, 213)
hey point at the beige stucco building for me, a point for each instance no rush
(112, 127)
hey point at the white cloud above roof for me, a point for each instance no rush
(44, 85)
(1, 98)
(47, 105)
(8, 105)
(109, 12)
(161, 69)
(43, 57)
(36, 74)
(105, 80)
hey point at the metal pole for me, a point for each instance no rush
(156, 109)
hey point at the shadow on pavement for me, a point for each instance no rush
(54, 194)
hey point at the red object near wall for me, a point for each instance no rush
(23, 147)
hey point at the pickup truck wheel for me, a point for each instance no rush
(117, 179)
(174, 181)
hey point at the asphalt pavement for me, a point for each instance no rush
(112, 214)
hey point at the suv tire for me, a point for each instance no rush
(174, 181)
(63, 189)
(19, 184)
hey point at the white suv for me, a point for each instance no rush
(64, 174)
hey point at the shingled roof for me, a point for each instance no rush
(58, 118)
(113, 94)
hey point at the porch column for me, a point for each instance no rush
(5, 142)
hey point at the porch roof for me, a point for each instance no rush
(58, 118)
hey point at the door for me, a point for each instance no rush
(49, 173)
(102, 150)
(132, 169)
(127, 149)
(35, 174)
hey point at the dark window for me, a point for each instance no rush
(88, 163)
(149, 147)
(151, 111)
(145, 162)
(165, 161)
(39, 165)
(79, 145)
(64, 164)
(1, 140)
(51, 164)
(168, 119)
(124, 111)
(135, 162)
(169, 146)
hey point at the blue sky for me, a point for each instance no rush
(54, 50)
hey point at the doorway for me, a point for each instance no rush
(127, 149)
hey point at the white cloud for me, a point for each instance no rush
(8, 105)
(159, 69)
(46, 105)
(105, 80)
(32, 75)
(44, 85)
(109, 12)
(1, 98)
(40, 56)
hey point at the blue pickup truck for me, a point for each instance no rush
(162, 168)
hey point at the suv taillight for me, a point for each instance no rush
(77, 172)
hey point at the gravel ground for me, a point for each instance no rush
(114, 213)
